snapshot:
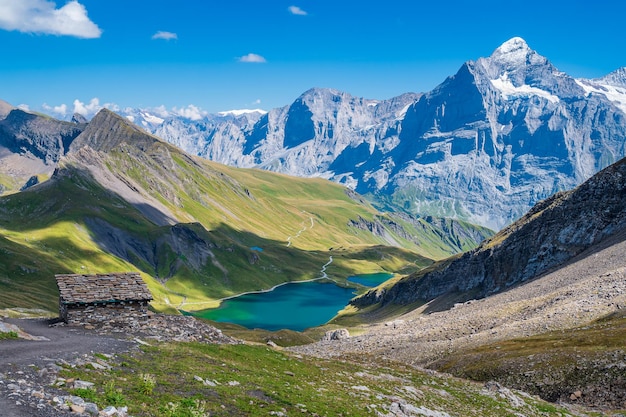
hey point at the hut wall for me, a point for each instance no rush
(98, 314)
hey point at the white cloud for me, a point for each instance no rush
(42, 16)
(24, 107)
(253, 58)
(93, 107)
(61, 109)
(190, 112)
(257, 101)
(112, 106)
(160, 111)
(165, 35)
(297, 11)
(87, 109)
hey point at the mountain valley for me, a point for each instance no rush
(120, 199)
(329, 187)
(539, 306)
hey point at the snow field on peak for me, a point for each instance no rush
(150, 118)
(506, 87)
(617, 95)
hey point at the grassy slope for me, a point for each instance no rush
(167, 380)
(299, 223)
(42, 234)
(554, 365)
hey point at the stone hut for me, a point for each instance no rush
(99, 298)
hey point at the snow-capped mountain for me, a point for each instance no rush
(485, 145)
(503, 133)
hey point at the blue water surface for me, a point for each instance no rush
(370, 280)
(294, 306)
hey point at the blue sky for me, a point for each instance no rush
(219, 55)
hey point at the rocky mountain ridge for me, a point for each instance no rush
(552, 233)
(485, 145)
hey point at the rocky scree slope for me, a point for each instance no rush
(488, 143)
(553, 232)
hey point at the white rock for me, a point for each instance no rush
(83, 384)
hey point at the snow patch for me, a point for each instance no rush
(617, 95)
(402, 112)
(507, 89)
(150, 118)
(241, 112)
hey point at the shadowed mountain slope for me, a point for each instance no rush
(553, 232)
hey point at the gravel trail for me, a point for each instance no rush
(20, 358)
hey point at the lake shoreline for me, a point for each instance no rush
(293, 307)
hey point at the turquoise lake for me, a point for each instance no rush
(370, 280)
(294, 306)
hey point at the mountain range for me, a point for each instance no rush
(484, 146)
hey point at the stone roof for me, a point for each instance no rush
(114, 287)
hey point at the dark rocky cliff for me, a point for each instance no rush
(42, 137)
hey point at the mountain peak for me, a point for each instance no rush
(513, 45)
(79, 119)
(514, 60)
(616, 78)
(516, 53)
(321, 92)
(107, 130)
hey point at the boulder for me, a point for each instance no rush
(338, 334)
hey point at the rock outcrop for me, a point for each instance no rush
(38, 136)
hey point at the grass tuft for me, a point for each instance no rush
(8, 335)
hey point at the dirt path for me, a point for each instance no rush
(19, 355)
(304, 228)
(63, 343)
